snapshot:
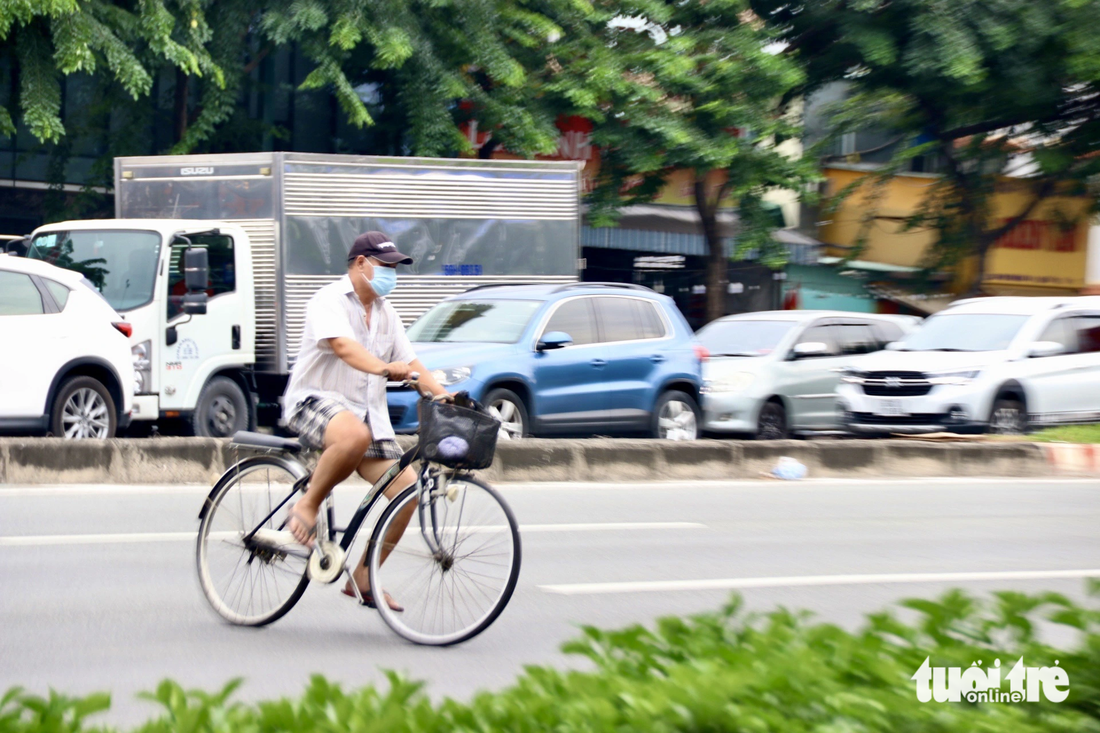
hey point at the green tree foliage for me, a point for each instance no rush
(690, 86)
(724, 671)
(974, 83)
(433, 52)
(47, 39)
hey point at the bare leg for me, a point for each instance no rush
(371, 469)
(346, 440)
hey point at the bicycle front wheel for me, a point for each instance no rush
(247, 584)
(453, 567)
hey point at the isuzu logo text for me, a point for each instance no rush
(975, 684)
(203, 171)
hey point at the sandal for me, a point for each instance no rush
(368, 599)
(311, 529)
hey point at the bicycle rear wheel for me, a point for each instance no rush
(452, 594)
(247, 584)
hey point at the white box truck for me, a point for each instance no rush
(264, 231)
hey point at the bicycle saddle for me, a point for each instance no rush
(266, 442)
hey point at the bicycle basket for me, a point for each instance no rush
(457, 437)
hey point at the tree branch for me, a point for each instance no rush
(1045, 189)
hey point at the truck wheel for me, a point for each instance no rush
(222, 410)
(83, 409)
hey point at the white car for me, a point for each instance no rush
(65, 361)
(1002, 365)
(772, 373)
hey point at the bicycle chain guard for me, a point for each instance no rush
(326, 563)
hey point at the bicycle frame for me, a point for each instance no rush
(326, 526)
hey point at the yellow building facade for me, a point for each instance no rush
(1048, 254)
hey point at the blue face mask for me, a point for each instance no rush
(385, 279)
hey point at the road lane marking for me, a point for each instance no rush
(95, 539)
(138, 537)
(20, 491)
(795, 581)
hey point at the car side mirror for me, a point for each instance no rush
(196, 269)
(1039, 349)
(809, 349)
(194, 304)
(553, 340)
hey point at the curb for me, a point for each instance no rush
(1073, 458)
(203, 460)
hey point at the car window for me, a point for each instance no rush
(965, 332)
(1061, 331)
(625, 319)
(219, 257)
(574, 317)
(59, 292)
(474, 321)
(821, 334)
(741, 337)
(887, 332)
(653, 326)
(19, 296)
(855, 338)
(1088, 333)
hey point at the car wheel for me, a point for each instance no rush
(83, 409)
(675, 417)
(222, 410)
(772, 423)
(1008, 417)
(506, 406)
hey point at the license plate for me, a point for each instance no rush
(893, 408)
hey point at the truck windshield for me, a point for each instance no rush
(122, 265)
(474, 321)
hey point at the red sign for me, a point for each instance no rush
(575, 142)
(1039, 235)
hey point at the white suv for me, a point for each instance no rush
(1002, 365)
(65, 361)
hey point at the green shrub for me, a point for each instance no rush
(1069, 434)
(724, 671)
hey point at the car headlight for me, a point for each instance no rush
(447, 377)
(954, 378)
(853, 376)
(143, 366)
(735, 382)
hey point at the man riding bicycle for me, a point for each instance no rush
(336, 399)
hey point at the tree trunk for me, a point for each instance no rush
(717, 275)
(485, 152)
(183, 82)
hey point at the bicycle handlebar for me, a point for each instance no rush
(413, 380)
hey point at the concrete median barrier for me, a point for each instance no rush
(201, 460)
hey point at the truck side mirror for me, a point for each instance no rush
(194, 304)
(196, 270)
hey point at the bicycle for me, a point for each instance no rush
(455, 574)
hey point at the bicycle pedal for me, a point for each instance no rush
(326, 563)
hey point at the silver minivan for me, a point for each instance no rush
(773, 373)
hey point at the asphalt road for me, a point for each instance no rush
(118, 612)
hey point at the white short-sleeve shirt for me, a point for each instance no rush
(335, 311)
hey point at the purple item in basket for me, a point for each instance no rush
(453, 448)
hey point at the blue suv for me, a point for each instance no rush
(563, 359)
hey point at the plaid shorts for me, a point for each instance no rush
(311, 416)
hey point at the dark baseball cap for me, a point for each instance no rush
(378, 246)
